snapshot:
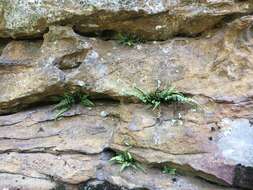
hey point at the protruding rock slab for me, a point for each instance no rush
(218, 67)
(155, 19)
(39, 131)
(191, 141)
(154, 179)
(71, 168)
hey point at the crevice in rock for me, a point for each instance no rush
(107, 33)
(3, 43)
(110, 34)
(21, 174)
(50, 150)
(47, 100)
(243, 177)
(103, 185)
(106, 153)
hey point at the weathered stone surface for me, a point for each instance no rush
(69, 168)
(210, 142)
(154, 179)
(105, 173)
(38, 130)
(179, 136)
(155, 19)
(207, 67)
(15, 181)
(189, 144)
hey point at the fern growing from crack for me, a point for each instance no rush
(169, 170)
(68, 100)
(126, 160)
(168, 95)
(128, 40)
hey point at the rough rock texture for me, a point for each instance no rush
(16, 181)
(243, 177)
(211, 147)
(43, 144)
(152, 19)
(217, 66)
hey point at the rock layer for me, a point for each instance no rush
(218, 67)
(153, 19)
(36, 136)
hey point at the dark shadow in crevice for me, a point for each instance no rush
(103, 185)
(96, 98)
(243, 177)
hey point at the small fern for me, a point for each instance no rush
(128, 40)
(169, 170)
(68, 100)
(126, 160)
(85, 101)
(168, 95)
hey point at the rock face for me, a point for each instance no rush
(153, 19)
(210, 147)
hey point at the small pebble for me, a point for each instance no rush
(104, 114)
(139, 47)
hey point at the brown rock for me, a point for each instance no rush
(39, 131)
(154, 179)
(153, 20)
(215, 69)
(66, 60)
(181, 141)
(73, 169)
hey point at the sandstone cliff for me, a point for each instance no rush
(203, 48)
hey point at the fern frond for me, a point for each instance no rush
(61, 111)
(68, 100)
(86, 102)
(169, 170)
(64, 103)
(141, 95)
(126, 160)
(168, 95)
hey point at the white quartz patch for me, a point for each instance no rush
(236, 141)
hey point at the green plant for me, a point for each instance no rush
(128, 40)
(126, 160)
(68, 100)
(168, 95)
(169, 170)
